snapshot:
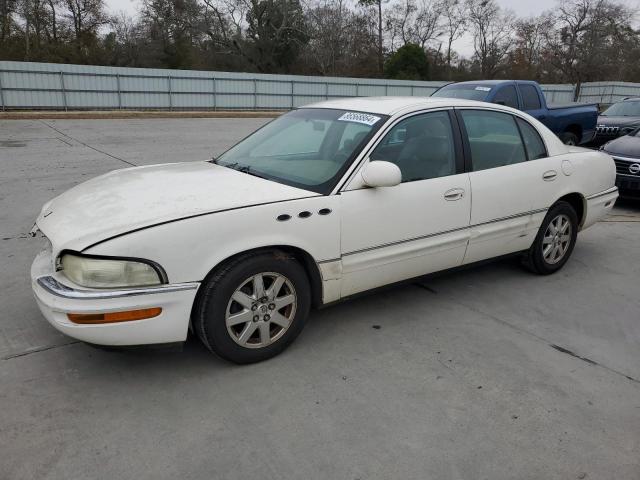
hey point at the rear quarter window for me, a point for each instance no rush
(532, 141)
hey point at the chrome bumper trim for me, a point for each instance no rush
(54, 287)
(625, 159)
(602, 194)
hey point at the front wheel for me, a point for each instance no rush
(252, 308)
(555, 240)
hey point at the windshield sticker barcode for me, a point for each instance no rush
(483, 89)
(359, 118)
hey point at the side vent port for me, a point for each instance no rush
(283, 218)
(324, 211)
(304, 214)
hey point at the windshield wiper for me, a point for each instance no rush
(247, 169)
(241, 168)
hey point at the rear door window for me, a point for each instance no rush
(530, 98)
(494, 139)
(507, 96)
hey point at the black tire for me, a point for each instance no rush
(534, 259)
(569, 138)
(214, 298)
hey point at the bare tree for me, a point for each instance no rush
(454, 25)
(415, 21)
(588, 38)
(527, 56)
(492, 30)
(85, 16)
(378, 6)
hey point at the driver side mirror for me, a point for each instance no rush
(378, 173)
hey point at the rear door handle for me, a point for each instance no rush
(549, 175)
(454, 194)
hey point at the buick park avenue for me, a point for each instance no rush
(322, 203)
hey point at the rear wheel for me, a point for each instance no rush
(555, 240)
(252, 308)
(569, 138)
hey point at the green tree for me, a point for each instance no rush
(409, 62)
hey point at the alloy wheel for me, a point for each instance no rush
(261, 310)
(557, 239)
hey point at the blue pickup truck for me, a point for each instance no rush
(574, 123)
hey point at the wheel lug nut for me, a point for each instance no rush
(272, 306)
(267, 317)
(256, 318)
(254, 307)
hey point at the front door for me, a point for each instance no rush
(414, 228)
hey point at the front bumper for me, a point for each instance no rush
(55, 298)
(627, 175)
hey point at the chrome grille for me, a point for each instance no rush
(605, 130)
(622, 166)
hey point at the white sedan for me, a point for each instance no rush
(323, 203)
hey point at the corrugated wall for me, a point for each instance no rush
(28, 85)
(58, 86)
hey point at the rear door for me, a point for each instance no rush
(512, 182)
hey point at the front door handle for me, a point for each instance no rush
(549, 175)
(454, 194)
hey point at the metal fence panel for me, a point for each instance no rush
(558, 93)
(608, 92)
(28, 85)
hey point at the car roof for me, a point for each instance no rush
(490, 82)
(393, 105)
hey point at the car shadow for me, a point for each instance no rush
(325, 329)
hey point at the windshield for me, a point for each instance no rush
(466, 91)
(308, 148)
(623, 109)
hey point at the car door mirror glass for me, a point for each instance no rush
(379, 173)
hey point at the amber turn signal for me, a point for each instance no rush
(114, 317)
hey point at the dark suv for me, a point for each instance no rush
(625, 151)
(618, 120)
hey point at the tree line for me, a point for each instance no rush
(574, 42)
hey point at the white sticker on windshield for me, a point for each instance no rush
(483, 89)
(358, 117)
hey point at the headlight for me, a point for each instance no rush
(108, 273)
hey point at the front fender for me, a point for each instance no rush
(188, 249)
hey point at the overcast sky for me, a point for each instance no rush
(523, 8)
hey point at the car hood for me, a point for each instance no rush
(626, 146)
(604, 120)
(134, 198)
